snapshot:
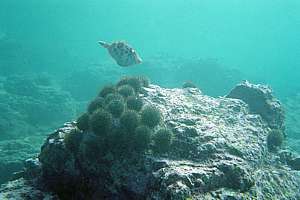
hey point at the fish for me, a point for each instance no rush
(122, 53)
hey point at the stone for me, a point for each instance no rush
(261, 101)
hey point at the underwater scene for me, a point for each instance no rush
(154, 100)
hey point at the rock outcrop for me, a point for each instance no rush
(261, 101)
(219, 151)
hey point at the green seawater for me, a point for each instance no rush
(49, 55)
(257, 37)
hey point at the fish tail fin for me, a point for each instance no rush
(104, 44)
(139, 60)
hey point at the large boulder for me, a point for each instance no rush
(261, 101)
(219, 151)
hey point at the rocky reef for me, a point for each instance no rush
(217, 149)
(261, 101)
(25, 98)
(29, 105)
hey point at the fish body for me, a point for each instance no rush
(122, 53)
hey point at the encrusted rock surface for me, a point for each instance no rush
(219, 151)
(261, 101)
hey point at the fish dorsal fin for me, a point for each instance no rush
(104, 44)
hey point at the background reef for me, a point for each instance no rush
(292, 121)
(29, 109)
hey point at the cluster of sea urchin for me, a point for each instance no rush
(121, 121)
